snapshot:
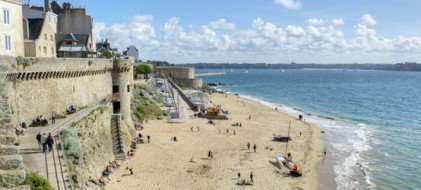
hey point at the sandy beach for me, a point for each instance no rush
(165, 164)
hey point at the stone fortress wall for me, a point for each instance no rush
(39, 86)
(183, 76)
(48, 84)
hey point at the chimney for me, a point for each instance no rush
(47, 6)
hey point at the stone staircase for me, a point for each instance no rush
(117, 138)
(12, 173)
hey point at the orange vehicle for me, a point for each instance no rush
(212, 111)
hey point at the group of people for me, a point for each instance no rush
(40, 120)
(237, 124)
(45, 142)
(105, 176)
(20, 130)
(254, 147)
(138, 127)
(239, 178)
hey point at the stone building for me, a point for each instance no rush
(40, 28)
(105, 45)
(11, 31)
(76, 21)
(132, 52)
(73, 45)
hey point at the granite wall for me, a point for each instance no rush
(43, 85)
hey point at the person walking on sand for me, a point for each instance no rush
(209, 154)
(324, 152)
(234, 132)
(191, 129)
(254, 147)
(149, 138)
(249, 117)
(228, 130)
(38, 137)
(241, 125)
(248, 146)
(239, 176)
(251, 177)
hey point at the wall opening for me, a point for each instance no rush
(116, 107)
(128, 88)
(115, 89)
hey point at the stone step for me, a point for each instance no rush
(10, 162)
(8, 149)
(11, 178)
(8, 139)
(6, 131)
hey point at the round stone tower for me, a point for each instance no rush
(122, 84)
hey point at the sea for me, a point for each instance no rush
(371, 119)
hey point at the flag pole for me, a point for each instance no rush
(289, 130)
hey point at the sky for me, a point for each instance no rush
(271, 31)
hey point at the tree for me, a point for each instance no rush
(107, 54)
(142, 69)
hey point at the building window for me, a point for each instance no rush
(39, 48)
(8, 42)
(6, 17)
(52, 38)
(128, 88)
(45, 49)
(45, 36)
(52, 51)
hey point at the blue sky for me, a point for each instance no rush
(181, 30)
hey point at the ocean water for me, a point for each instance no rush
(372, 119)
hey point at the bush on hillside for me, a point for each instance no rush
(37, 182)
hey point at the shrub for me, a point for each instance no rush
(37, 182)
(72, 147)
(68, 132)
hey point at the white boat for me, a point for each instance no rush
(247, 71)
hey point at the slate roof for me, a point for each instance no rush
(81, 40)
(35, 27)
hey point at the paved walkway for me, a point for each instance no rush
(50, 165)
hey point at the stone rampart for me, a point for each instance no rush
(43, 85)
(175, 72)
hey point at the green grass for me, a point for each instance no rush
(146, 103)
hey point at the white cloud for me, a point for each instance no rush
(366, 19)
(289, 4)
(261, 42)
(338, 21)
(222, 24)
(139, 31)
(257, 23)
(315, 21)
